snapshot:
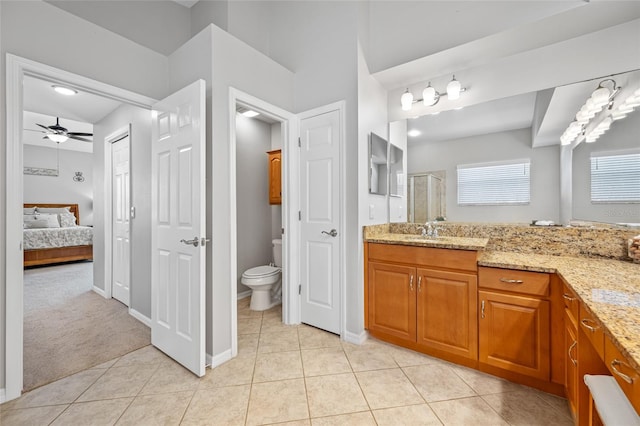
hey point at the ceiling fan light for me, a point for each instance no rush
(429, 95)
(67, 91)
(453, 89)
(600, 96)
(406, 100)
(618, 114)
(57, 138)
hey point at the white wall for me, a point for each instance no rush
(623, 135)
(140, 237)
(516, 144)
(61, 188)
(204, 13)
(253, 140)
(37, 31)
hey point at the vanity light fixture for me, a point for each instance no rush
(430, 96)
(63, 90)
(590, 123)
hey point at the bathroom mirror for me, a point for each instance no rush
(426, 196)
(396, 172)
(378, 148)
(526, 126)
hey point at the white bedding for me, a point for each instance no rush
(57, 237)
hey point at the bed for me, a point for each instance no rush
(44, 246)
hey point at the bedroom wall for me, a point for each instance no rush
(253, 140)
(61, 188)
(140, 120)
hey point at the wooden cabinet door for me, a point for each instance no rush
(275, 177)
(515, 334)
(447, 316)
(392, 300)
(571, 363)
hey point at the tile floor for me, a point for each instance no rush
(296, 375)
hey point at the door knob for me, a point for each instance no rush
(195, 242)
(332, 233)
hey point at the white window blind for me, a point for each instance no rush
(504, 183)
(615, 177)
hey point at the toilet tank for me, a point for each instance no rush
(277, 252)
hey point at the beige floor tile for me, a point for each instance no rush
(218, 406)
(148, 355)
(281, 341)
(249, 325)
(277, 366)
(437, 382)
(63, 391)
(388, 388)
(306, 422)
(275, 326)
(525, 408)
(369, 344)
(94, 413)
(410, 415)
(311, 337)
(353, 419)
(467, 412)
(336, 394)
(107, 364)
(483, 383)
(559, 403)
(30, 416)
(236, 371)
(119, 382)
(171, 378)
(248, 343)
(165, 409)
(274, 402)
(323, 361)
(369, 359)
(407, 358)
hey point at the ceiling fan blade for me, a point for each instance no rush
(44, 127)
(79, 134)
(34, 130)
(78, 138)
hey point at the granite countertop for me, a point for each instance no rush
(609, 289)
(456, 243)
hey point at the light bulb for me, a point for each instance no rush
(406, 100)
(429, 95)
(57, 137)
(453, 89)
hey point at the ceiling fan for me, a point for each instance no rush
(57, 133)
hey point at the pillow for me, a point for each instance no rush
(29, 210)
(29, 217)
(52, 220)
(34, 224)
(53, 209)
(67, 220)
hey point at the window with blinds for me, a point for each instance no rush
(503, 183)
(615, 177)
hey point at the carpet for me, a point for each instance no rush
(69, 328)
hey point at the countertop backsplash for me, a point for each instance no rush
(596, 242)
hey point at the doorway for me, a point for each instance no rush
(17, 69)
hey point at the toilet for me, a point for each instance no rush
(265, 281)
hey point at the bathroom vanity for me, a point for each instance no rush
(539, 320)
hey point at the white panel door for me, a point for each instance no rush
(120, 203)
(320, 230)
(178, 227)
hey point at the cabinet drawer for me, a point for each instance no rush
(465, 260)
(593, 330)
(570, 301)
(627, 377)
(524, 282)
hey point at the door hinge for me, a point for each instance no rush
(299, 215)
(282, 231)
(299, 289)
(299, 143)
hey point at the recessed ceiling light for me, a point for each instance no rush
(250, 113)
(65, 90)
(413, 133)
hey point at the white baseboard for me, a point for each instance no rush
(3, 395)
(142, 318)
(244, 294)
(100, 291)
(219, 359)
(355, 338)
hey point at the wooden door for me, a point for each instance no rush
(446, 312)
(514, 333)
(275, 177)
(571, 363)
(392, 300)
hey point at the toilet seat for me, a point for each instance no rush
(258, 272)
